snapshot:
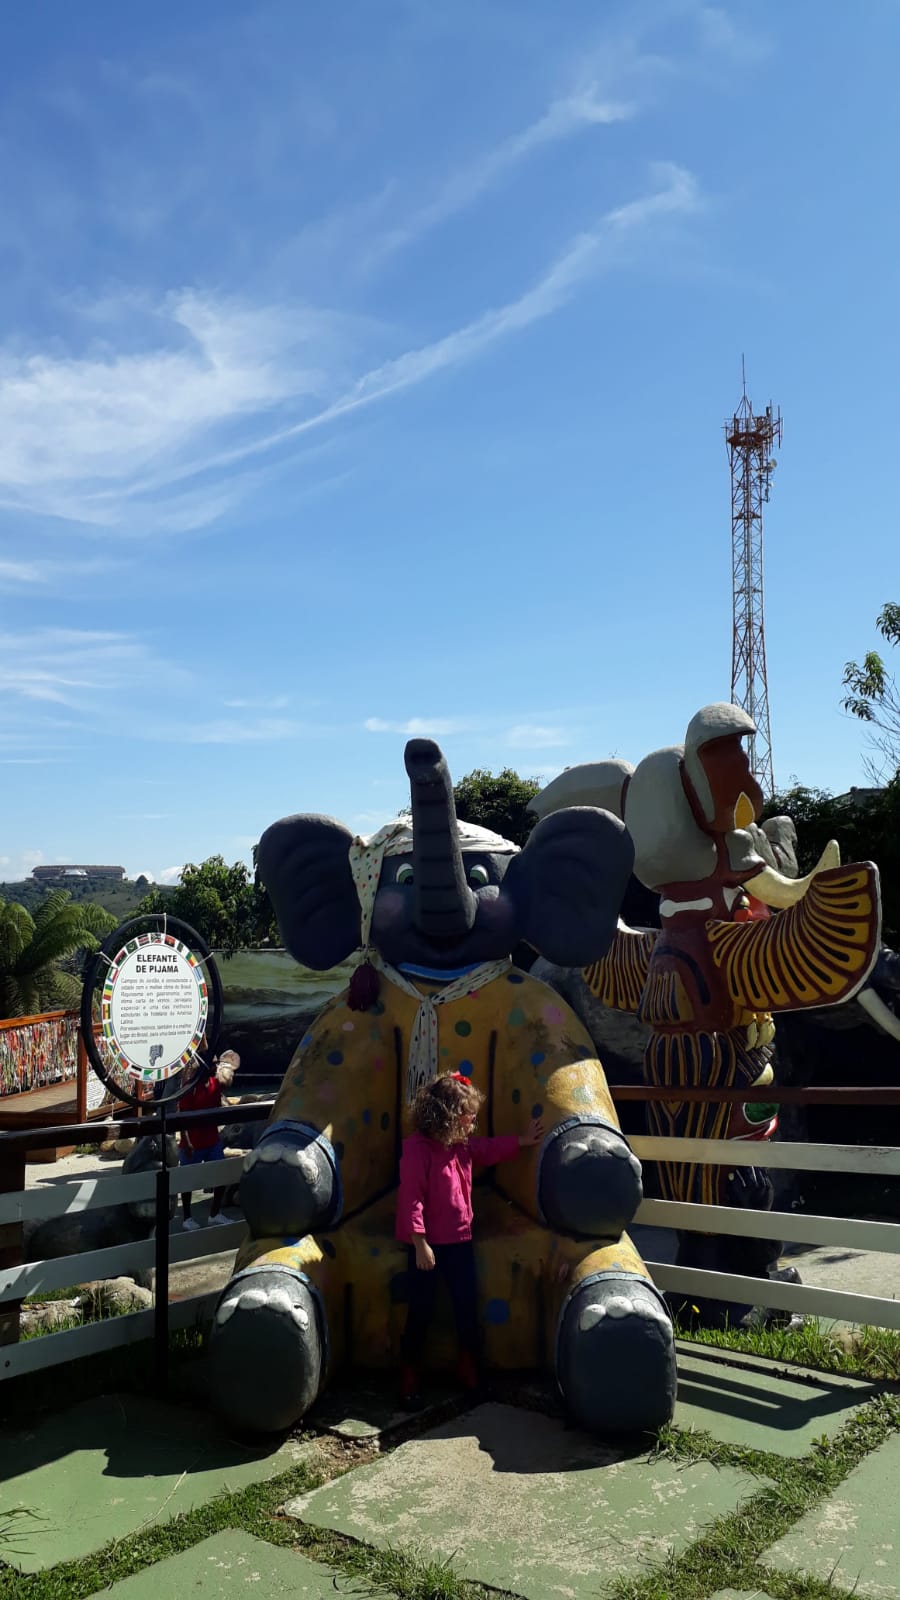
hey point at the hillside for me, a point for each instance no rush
(120, 899)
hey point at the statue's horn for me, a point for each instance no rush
(774, 889)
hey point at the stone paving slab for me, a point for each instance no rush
(519, 1501)
(110, 1466)
(366, 1411)
(739, 1594)
(853, 1536)
(230, 1566)
(746, 1402)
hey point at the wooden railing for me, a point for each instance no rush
(56, 1031)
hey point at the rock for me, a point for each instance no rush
(112, 1297)
(47, 1315)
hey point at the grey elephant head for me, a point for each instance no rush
(449, 895)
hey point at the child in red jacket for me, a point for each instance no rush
(205, 1144)
(434, 1217)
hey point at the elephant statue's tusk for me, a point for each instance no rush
(774, 889)
(880, 1012)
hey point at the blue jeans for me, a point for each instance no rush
(193, 1158)
(455, 1263)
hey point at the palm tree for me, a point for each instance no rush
(31, 948)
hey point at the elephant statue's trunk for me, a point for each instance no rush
(445, 905)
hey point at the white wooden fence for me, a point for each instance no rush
(835, 1304)
(75, 1196)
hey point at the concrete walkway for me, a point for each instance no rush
(125, 1495)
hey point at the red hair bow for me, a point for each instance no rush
(460, 1077)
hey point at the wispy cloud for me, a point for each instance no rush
(73, 668)
(276, 702)
(536, 736)
(15, 572)
(266, 730)
(15, 868)
(722, 35)
(572, 114)
(424, 727)
(25, 576)
(371, 821)
(77, 433)
(108, 438)
(677, 193)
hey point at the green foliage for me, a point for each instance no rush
(872, 696)
(497, 802)
(120, 899)
(221, 903)
(866, 825)
(33, 948)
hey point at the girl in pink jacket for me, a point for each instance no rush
(434, 1217)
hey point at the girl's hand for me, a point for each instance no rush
(424, 1254)
(534, 1135)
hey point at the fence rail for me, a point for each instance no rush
(18, 1205)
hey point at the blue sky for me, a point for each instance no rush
(363, 371)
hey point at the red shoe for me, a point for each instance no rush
(467, 1371)
(410, 1396)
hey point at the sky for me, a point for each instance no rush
(363, 373)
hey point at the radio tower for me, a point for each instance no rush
(750, 441)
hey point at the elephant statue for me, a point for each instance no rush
(704, 985)
(435, 906)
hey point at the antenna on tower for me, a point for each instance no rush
(750, 441)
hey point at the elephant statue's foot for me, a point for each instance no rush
(590, 1182)
(615, 1355)
(291, 1185)
(265, 1360)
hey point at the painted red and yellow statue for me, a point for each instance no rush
(708, 981)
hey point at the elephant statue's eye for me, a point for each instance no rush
(478, 877)
(404, 874)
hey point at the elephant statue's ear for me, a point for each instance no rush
(569, 882)
(304, 863)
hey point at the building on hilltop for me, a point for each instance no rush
(58, 874)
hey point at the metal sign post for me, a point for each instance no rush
(155, 989)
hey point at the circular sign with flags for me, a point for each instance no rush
(153, 1007)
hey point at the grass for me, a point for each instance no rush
(872, 1353)
(12, 1531)
(44, 1296)
(728, 1554)
(77, 1317)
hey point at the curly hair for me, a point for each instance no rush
(440, 1106)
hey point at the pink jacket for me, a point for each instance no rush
(435, 1194)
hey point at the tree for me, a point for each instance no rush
(267, 930)
(219, 902)
(866, 825)
(873, 696)
(497, 802)
(142, 883)
(32, 949)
